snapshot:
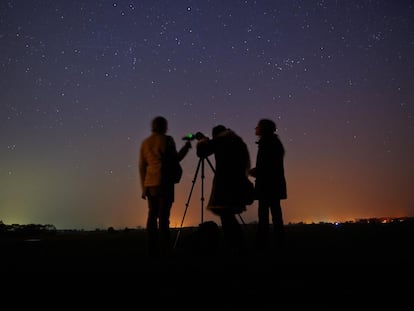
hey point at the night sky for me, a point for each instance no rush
(81, 80)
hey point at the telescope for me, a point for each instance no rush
(191, 136)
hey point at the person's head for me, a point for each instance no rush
(218, 129)
(265, 127)
(159, 125)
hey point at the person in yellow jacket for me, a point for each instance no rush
(157, 156)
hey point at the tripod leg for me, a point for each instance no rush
(188, 202)
(211, 165)
(242, 221)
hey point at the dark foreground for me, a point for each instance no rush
(334, 266)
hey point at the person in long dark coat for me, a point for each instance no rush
(270, 184)
(232, 163)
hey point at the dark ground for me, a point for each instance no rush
(321, 265)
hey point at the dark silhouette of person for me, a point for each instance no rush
(232, 163)
(270, 184)
(157, 186)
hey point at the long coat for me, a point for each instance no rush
(232, 162)
(269, 172)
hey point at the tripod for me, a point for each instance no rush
(201, 165)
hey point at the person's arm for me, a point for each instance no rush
(183, 151)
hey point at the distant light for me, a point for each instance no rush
(32, 240)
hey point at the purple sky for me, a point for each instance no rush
(81, 80)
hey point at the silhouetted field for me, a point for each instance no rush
(321, 264)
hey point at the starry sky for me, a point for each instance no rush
(80, 82)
